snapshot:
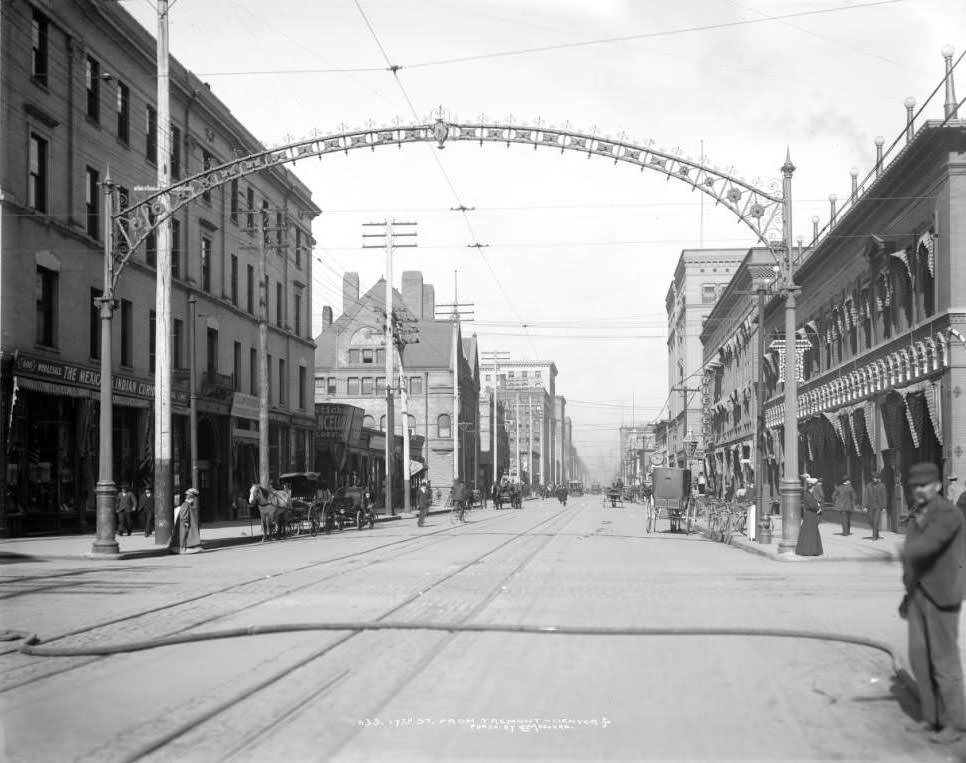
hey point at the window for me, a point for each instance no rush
(538, 374)
(511, 374)
(46, 306)
(92, 201)
(367, 356)
(151, 245)
(253, 371)
(151, 134)
(250, 215)
(366, 385)
(177, 344)
(236, 371)
(152, 340)
(443, 428)
(206, 264)
(233, 202)
(281, 381)
(525, 374)
(355, 357)
(233, 286)
(39, 28)
(302, 387)
(250, 289)
(123, 112)
(122, 201)
(211, 353)
(279, 312)
(352, 386)
(368, 421)
(278, 231)
(382, 423)
(93, 82)
(37, 173)
(381, 357)
(269, 377)
(94, 348)
(298, 247)
(176, 249)
(709, 293)
(206, 163)
(175, 152)
(416, 385)
(127, 335)
(331, 386)
(298, 315)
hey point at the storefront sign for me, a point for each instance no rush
(339, 423)
(88, 378)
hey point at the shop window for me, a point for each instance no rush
(352, 386)
(92, 77)
(40, 41)
(46, 307)
(443, 428)
(37, 173)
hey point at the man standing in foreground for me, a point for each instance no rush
(934, 575)
(875, 498)
(424, 497)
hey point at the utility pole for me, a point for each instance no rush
(263, 465)
(530, 430)
(684, 390)
(164, 503)
(193, 381)
(105, 544)
(459, 311)
(402, 338)
(389, 235)
(516, 436)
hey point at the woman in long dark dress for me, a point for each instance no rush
(809, 539)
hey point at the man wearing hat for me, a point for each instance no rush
(125, 507)
(424, 498)
(844, 499)
(874, 499)
(934, 575)
(185, 531)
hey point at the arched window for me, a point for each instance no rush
(412, 423)
(368, 421)
(443, 428)
(382, 423)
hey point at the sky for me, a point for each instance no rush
(579, 252)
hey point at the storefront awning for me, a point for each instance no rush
(415, 467)
(49, 388)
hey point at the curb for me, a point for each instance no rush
(770, 552)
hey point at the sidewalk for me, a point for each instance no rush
(856, 547)
(214, 536)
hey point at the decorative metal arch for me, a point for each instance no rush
(758, 208)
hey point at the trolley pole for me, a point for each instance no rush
(263, 461)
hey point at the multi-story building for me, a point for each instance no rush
(350, 366)
(78, 95)
(494, 440)
(882, 316)
(730, 406)
(526, 389)
(637, 443)
(701, 275)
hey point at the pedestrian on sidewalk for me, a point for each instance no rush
(185, 532)
(424, 498)
(934, 576)
(124, 507)
(809, 538)
(844, 499)
(147, 508)
(875, 498)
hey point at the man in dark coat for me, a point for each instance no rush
(875, 498)
(125, 507)
(424, 498)
(934, 576)
(844, 499)
(147, 507)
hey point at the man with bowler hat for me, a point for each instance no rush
(147, 508)
(934, 575)
(844, 498)
(126, 504)
(875, 498)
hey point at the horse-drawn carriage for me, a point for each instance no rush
(672, 496)
(305, 505)
(350, 506)
(508, 493)
(614, 495)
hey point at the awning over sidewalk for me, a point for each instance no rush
(415, 467)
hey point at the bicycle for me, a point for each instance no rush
(457, 509)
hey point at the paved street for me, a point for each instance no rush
(430, 695)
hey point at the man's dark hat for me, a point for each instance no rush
(923, 473)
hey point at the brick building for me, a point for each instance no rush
(78, 97)
(350, 369)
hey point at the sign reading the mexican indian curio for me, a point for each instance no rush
(88, 378)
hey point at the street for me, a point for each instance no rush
(436, 695)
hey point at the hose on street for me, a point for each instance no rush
(35, 647)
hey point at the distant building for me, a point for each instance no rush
(637, 445)
(701, 275)
(350, 365)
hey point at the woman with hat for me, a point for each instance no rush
(185, 532)
(809, 539)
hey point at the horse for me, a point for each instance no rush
(273, 506)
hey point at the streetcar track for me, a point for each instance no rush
(431, 536)
(187, 726)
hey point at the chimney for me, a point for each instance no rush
(350, 291)
(412, 292)
(949, 108)
(429, 302)
(326, 317)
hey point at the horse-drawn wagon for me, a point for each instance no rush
(672, 496)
